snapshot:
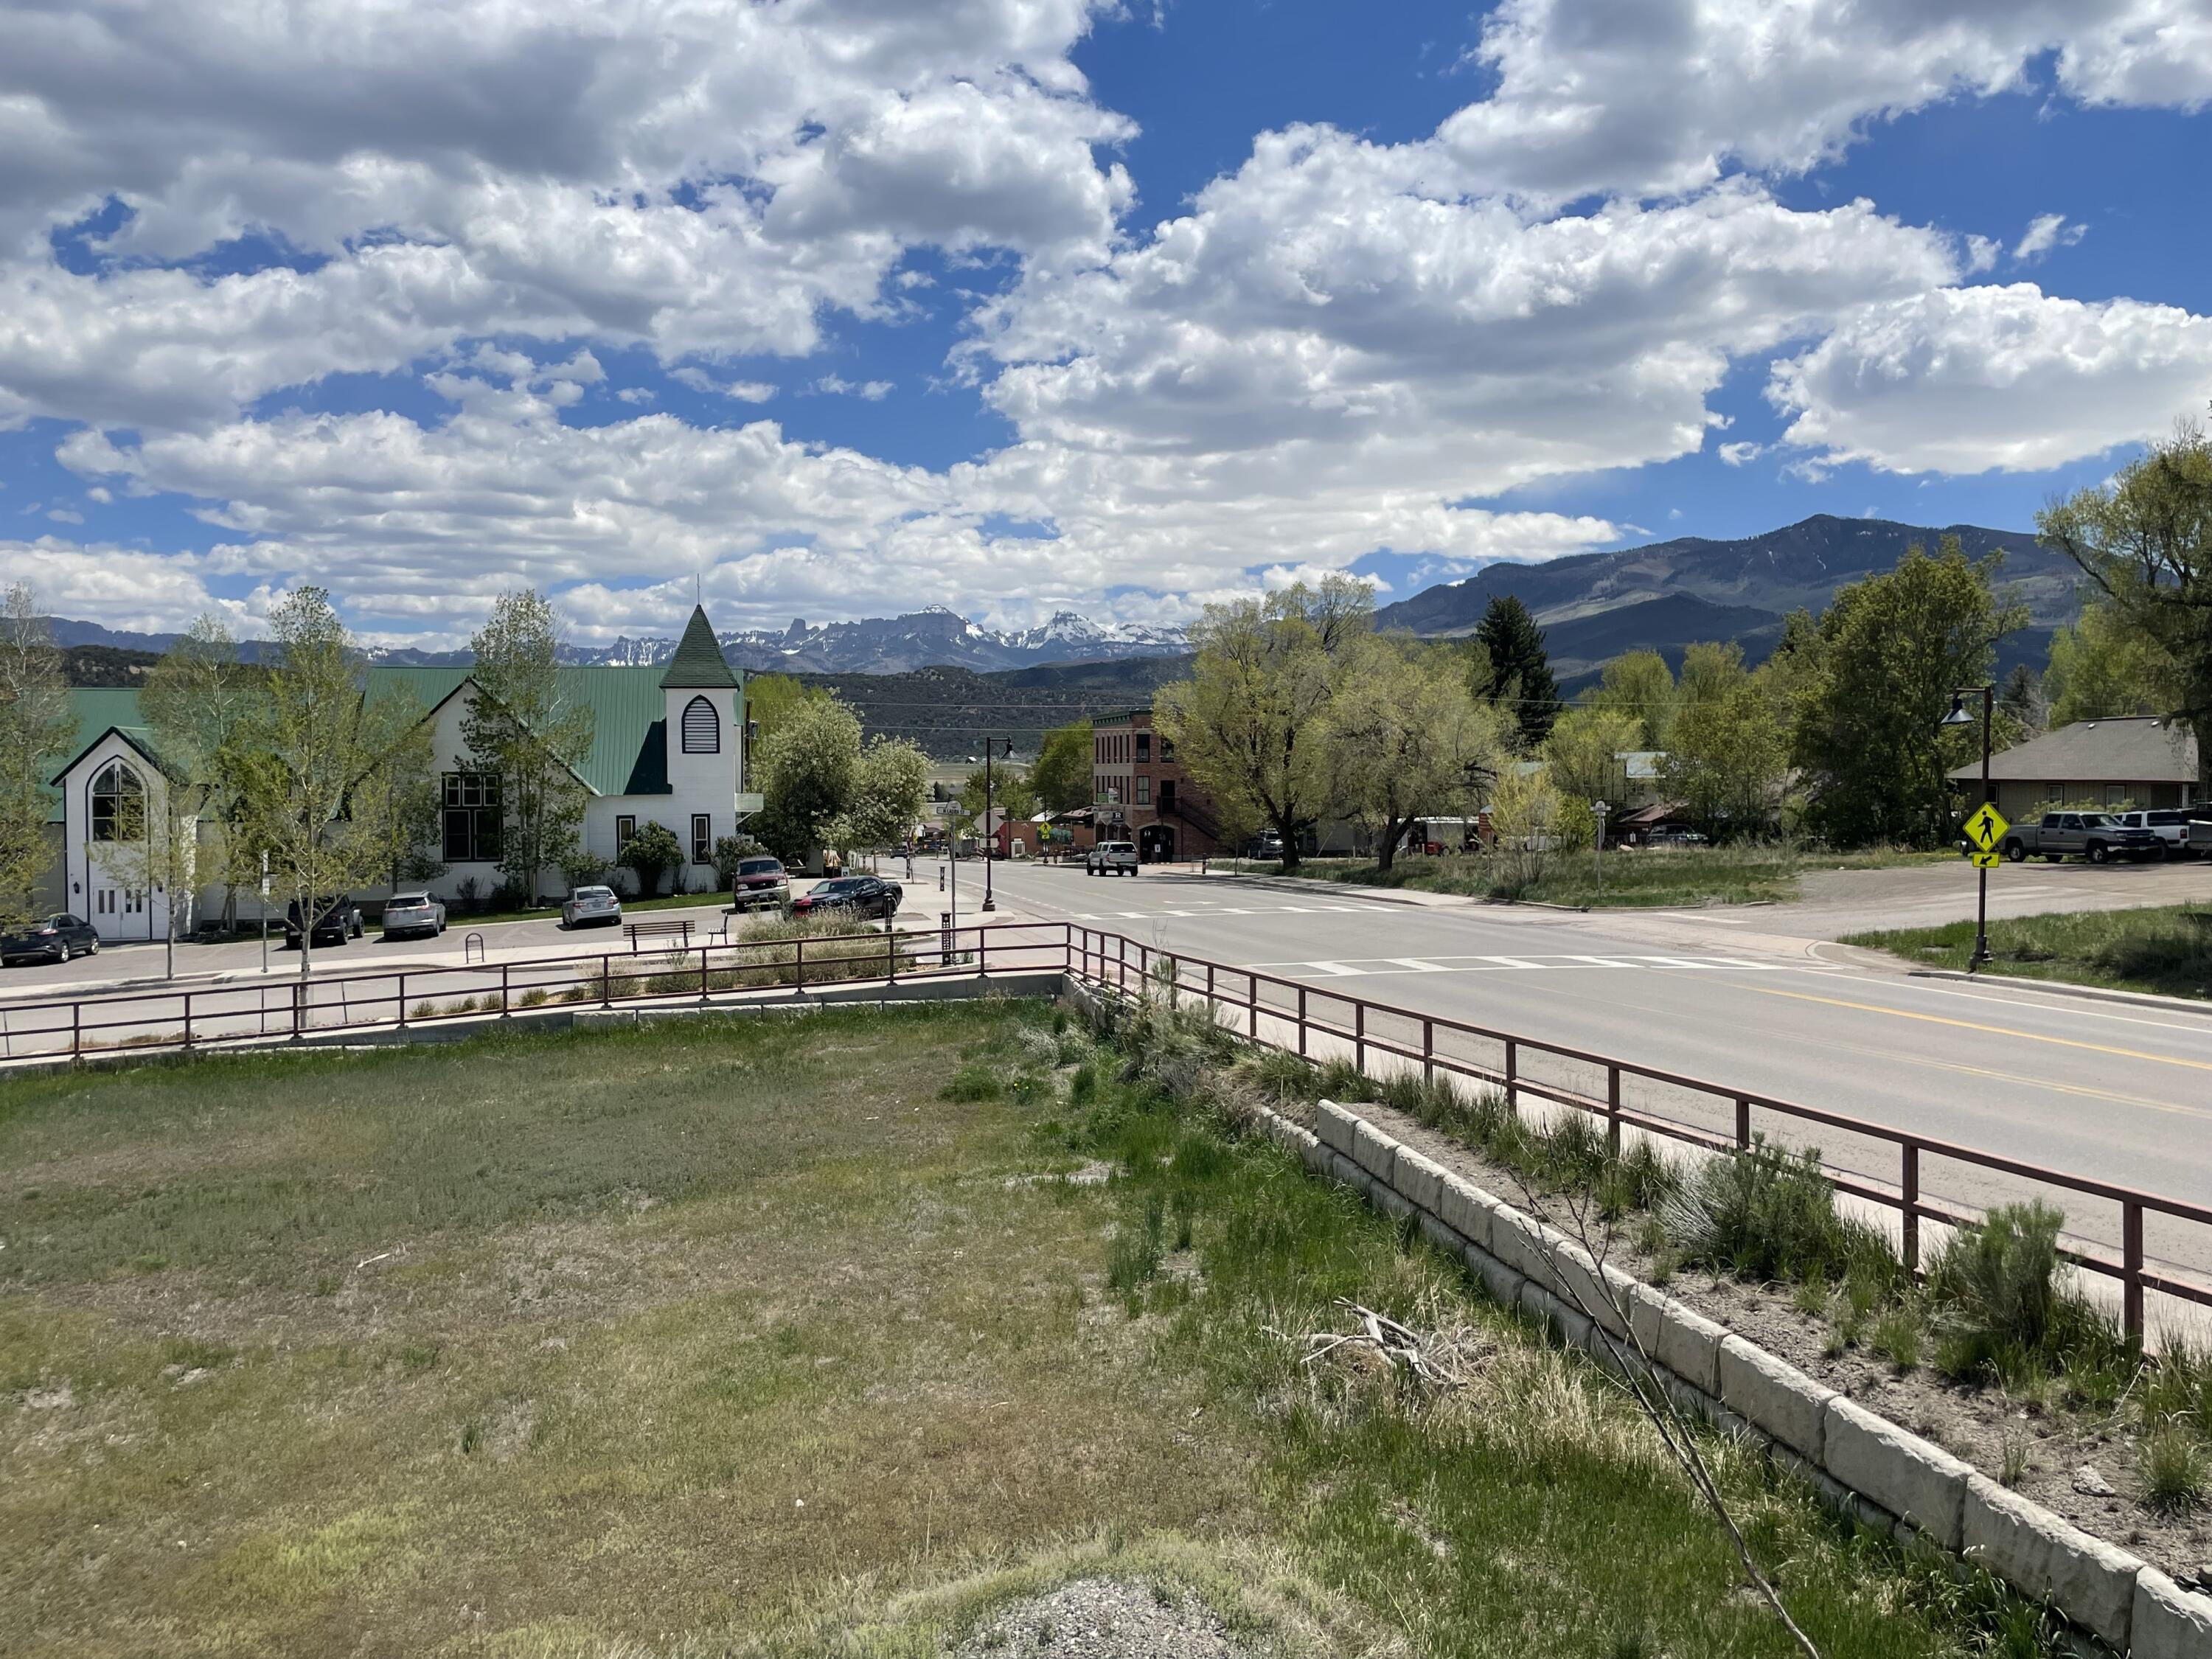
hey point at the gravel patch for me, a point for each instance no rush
(1104, 1619)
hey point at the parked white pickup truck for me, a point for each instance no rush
(1111, 858)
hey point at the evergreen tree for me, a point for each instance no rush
(1513, 669)
(36, 726)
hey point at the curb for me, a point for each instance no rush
(1342, 890)
(1858, 1463)
(2066, 988)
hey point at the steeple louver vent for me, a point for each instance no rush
(702, 729)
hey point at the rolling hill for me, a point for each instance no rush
(1670, 594)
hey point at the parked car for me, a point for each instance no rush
(57, 938)
(2096, 836)
(1267, 846)
(591, 904)
(856, 896)
(1111, 858)
(1669, 836)
(2169, 824)
(760, 884)
(413, 916)
(2200, 837)
(336, 920)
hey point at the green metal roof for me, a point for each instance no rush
(629, 754)
(698, 663)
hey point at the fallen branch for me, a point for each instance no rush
(1399, 1345)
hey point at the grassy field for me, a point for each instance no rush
(1662, 878)
(2167, 949)
(796, 1337)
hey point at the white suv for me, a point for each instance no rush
(1111, 858)
(2171, 827)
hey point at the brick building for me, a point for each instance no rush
(1139, 791)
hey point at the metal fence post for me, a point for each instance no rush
(506, 1002)
(1252, 987)
(188, 1019)
(76, 1031)
(1908, 1195)
(1512, 1072)
(1302, 1022)
(1742, 1124)
(799, 963)
(606, 980)
(403, 998)
(703, 950)
(1359, 1038)
(890, 953)
(1613, 1110)
(1428, 1050)
(2131, 1262)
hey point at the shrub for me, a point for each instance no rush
(2002, 1309)
(1764, 1214)
(2173, 1468)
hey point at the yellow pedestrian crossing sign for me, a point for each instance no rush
(1985, 829)
(1987, 861)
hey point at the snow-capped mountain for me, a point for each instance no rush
(932, 638)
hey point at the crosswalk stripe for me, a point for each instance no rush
(1420, 966)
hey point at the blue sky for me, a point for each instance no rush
(834, 309)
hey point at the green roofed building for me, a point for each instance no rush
(667, 746)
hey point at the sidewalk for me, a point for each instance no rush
(1341, 890)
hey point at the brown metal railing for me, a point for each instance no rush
(1296, 1016)
(1281, 1013)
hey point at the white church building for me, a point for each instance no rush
(667, 747)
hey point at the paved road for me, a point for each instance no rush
(2121, 1093)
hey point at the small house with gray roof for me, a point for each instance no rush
(2135, 760)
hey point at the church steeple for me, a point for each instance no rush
(698, 663)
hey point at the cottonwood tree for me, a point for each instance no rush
(36, 726)
(1583, 753)
(1640, 685)
(2145, 540)
(528, 730)
(1876, 678)
(197, 704)
(1252, 723)
(1406, 739)
(890, 789)
(1727, 749)
(327, 762)
(2101, 665)
(1062, 772)
(809, 766)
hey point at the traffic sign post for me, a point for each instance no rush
(1985, 828)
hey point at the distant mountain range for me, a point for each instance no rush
(932, 638)
(1592, 607)
(1669, 595)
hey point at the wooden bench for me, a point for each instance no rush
(640, 930)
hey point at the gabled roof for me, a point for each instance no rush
(2136, 749)
(629, 754)
(698, 662)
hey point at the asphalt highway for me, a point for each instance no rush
(2119, 1093)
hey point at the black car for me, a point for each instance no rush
(853, 896)
(57, 938)
(338, 921)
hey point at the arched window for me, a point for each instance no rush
(702, 729)
(119, 804)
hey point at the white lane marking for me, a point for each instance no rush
(1364, 966)
(1510, 962)
(1335, 970)
(1418, 965)
(1700, 916)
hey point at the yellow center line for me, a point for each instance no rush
(1993, 1030)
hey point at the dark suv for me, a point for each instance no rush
(57, 938)
(759, 884)
(338, 921)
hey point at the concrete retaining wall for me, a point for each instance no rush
(1859, 1461)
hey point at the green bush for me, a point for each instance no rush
(2000, 1309)
(1764, 1214)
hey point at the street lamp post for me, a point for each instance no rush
(1598, 810)
(990, 749)
(1957, 717)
